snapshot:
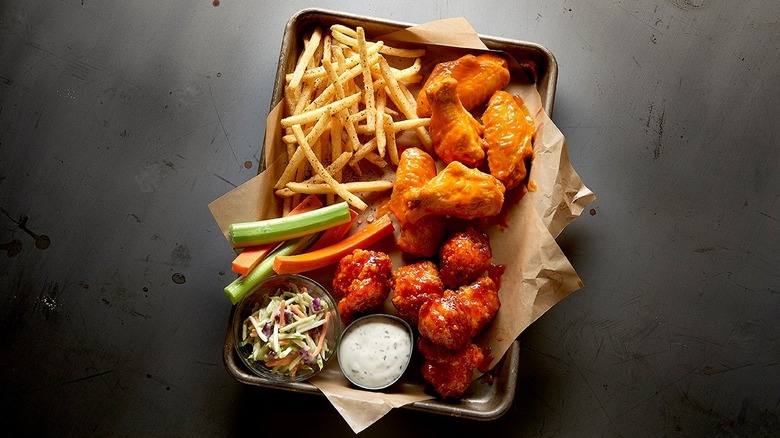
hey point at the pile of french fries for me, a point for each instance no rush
(345, 104)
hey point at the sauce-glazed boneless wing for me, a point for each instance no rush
(363, 281)
(452, 320)
(449, 371)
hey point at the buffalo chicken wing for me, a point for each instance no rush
(478, 78)
(456, 134)
(421, 238)
(509, 130)
(457, 191)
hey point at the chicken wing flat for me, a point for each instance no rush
(457, 191)
(456, 134)
(463, 257)
(509, 130)
(478, 78)
(449, 371)
(422, 238)
(452, 320)
(363, 280)
(413, 285)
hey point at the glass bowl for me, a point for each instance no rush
(293, 349)
(375, 350)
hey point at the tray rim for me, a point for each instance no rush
(546, 90)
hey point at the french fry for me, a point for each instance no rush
(381, 140)
(392, 147)
(402, 101)
(313, 115)
(348, 36)
(368, 82)
(324, 189)
(303, 61)
(337, 187)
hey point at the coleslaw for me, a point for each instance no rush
(288, 331)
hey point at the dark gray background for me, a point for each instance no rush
(121, 121)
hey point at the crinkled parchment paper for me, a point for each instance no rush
(537, 275)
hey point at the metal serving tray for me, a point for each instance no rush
(483, 400)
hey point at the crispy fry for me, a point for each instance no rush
(368, 83)
(348, 37)
(305, 57)
(337, 187)
(324, 189)
(313, 115)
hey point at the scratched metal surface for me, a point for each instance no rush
(120, 121)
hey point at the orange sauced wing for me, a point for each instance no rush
(509, 131)
(422, 238)
(456, 134)
(457, 191)
(478, 78)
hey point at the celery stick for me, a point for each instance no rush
(244, 234)
(243, 285)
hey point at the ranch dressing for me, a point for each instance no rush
(375, 351)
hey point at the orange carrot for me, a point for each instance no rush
(250, 257)
(282, 361)
(335, 234)
(281, 314)
(323, 332)
(331, 254)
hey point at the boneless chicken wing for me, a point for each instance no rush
(478, 78)
(363, 281)
(449, 371)
(452, 320)
(463, 257)
(509, 130)
(421, 238)
(457, 191)
(414, 285)
(456, 134)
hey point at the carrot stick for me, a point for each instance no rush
(333, 253)
(281, 314)
(323, 332)
(297, 310)
(282, 361)
(335, 234)
(251, 256)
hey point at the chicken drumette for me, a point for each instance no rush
(452, 320)
(449, 371)
(456, 134)
(363, 281)
(509, 130)
(421, 238)
(478, 78)
(414, 285)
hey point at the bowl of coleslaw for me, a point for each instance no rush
(288, 329)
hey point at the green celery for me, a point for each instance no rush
(245, 234)
(243, 285)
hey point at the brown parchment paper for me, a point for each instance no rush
(537, 275)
